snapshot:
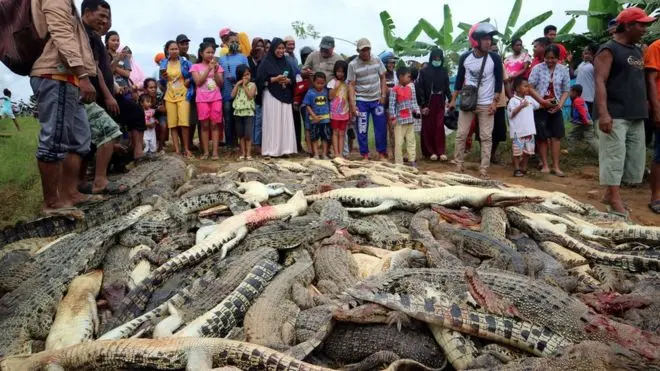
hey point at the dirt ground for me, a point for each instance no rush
(581, 184)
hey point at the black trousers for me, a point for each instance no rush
(297, 126)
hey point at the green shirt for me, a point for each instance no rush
(243, 106)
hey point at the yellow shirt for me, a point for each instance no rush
(176, 88)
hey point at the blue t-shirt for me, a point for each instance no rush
(229, 64)
(320, 104)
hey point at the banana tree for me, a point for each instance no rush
(600, 12)
(508, 34)
(403, 47)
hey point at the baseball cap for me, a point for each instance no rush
(224, 32)
(159, 57)
(363, 43)
(289, 38)
(327, 42)
(210, 40)
(634, 14)
(182, 38)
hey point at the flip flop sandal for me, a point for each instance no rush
(518, 174)
(625, 216)
(558, 173)
(73, 213)
(90, 200)
(655, 206)
(114, 188)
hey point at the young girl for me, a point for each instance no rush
(151, 89)
(208, 77)
(243, 95)
(150, 141)
(339, 104)
(175, 73)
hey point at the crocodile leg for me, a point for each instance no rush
(458, 349)
(169, 324)
(384, 207)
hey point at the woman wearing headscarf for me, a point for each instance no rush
(275, 82)
(432, 94)
(254, 60)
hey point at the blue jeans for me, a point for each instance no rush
(258, 122)
(380, 126)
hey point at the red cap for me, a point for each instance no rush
(225, 31)
(634, 14)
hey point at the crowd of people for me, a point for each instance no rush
(257, 98)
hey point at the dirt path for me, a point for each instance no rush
(581, 185)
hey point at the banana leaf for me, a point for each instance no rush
(531, 24)
(587, 13)
(598, 24)
(447, 27)
(567, 27)
(430, 31)
(414, 33)
(466, 27)
(513, 19)
(388, 28)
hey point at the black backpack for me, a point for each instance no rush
(20, 44)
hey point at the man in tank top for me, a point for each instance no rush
(621, 107)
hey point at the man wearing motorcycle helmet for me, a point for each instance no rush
(490, 87)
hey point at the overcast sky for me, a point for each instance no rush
(145, 25)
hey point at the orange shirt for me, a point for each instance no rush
(652, 62)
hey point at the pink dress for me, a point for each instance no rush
(513, 64)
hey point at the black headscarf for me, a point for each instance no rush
(272, 66)
(433, 79)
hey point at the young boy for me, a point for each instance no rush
(583, 129)
(6, 110)
(403, 110)
(317, 104)
(521, 122)
(299, 92)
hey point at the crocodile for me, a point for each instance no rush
(76, 320)
(549, 269)
(482, 246)
(335, 267)
(384, 199)
(256, 192)
(218, 321)
(141, 267)
(543, 230)
(434, 307)
(452, 178)
(224, 237)
(438, 251)
(116, 275)
(566, 257)
(182, 209)
(534, 300)
(168, 246)
(27, 312)
(585, 356)
(352, 343)
(272, 318)
(160, 354)
(494, 223)
(287, 238)
(464, 216)
(15, 268)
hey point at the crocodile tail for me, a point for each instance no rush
(43, 227)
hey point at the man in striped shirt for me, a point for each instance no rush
(366, 79)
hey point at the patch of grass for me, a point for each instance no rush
(20, 185)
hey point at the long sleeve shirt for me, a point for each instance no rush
(403, 102)
(579, 112)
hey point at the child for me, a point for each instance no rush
(243, 95)
(339, 103)
(157, 103)
(403, 109)
(208, 77)
(580, 117)
(150, 140)
(6, 110)
(299, 92)
(521, 121)
(318, 109)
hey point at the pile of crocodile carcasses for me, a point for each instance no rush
(318, 265)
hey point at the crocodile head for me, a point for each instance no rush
(463, 217)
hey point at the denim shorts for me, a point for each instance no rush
(63, 120)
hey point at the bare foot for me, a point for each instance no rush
(67, 212)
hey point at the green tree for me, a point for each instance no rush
(600, 12)
(307, 30)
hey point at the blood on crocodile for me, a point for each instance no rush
(614, 303)
(259, 216)
(464, 217)
(645, 343)
(322, 188)
(486, 297)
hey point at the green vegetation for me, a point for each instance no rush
(20, 186)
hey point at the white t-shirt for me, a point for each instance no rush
(585, 77)
(523, 124)
(472, 66)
